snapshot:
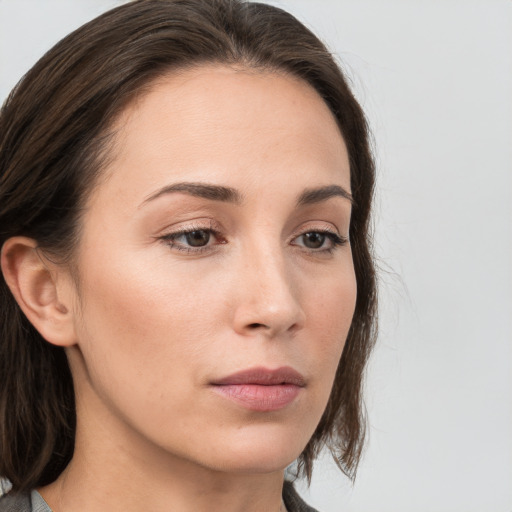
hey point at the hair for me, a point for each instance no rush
(54, 139)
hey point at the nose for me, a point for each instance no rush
(268, 301)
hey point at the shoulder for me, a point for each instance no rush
(23, 502)
(293, 502)
(15, 503)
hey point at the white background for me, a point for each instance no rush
(435, 78)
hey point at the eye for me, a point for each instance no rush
(193, 239)
(320, 241)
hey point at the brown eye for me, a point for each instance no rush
(198, 238)
(320, 241)
(313, 240)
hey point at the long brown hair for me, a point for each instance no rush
(54, 139)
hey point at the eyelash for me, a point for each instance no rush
(170, 240)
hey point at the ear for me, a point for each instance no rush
(39, 286)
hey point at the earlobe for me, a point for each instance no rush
(37, 287)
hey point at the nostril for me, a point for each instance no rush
(256, 325)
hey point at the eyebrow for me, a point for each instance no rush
(231, 195)
(317, 195)
(204, 190)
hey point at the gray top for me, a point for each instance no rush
(34, 502)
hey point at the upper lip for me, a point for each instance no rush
(264, 377)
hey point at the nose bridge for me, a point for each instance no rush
(269, 299)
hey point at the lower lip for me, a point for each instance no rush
(256, 397)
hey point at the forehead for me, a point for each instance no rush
(235, 126)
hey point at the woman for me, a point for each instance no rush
(188, 296)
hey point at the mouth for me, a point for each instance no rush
(261, 389)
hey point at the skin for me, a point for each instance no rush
(153, 321)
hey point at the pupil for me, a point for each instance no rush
(314, 240)
(198, 238)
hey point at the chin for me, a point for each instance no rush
(250, 463)
(263, 450)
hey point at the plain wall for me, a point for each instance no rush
(436, 81)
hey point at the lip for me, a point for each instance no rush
(261, 389)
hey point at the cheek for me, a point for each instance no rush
(145, 337)
(140, 292)
(330, 311)
(333, 305)
(143, 322)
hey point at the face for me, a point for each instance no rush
(216, 277)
